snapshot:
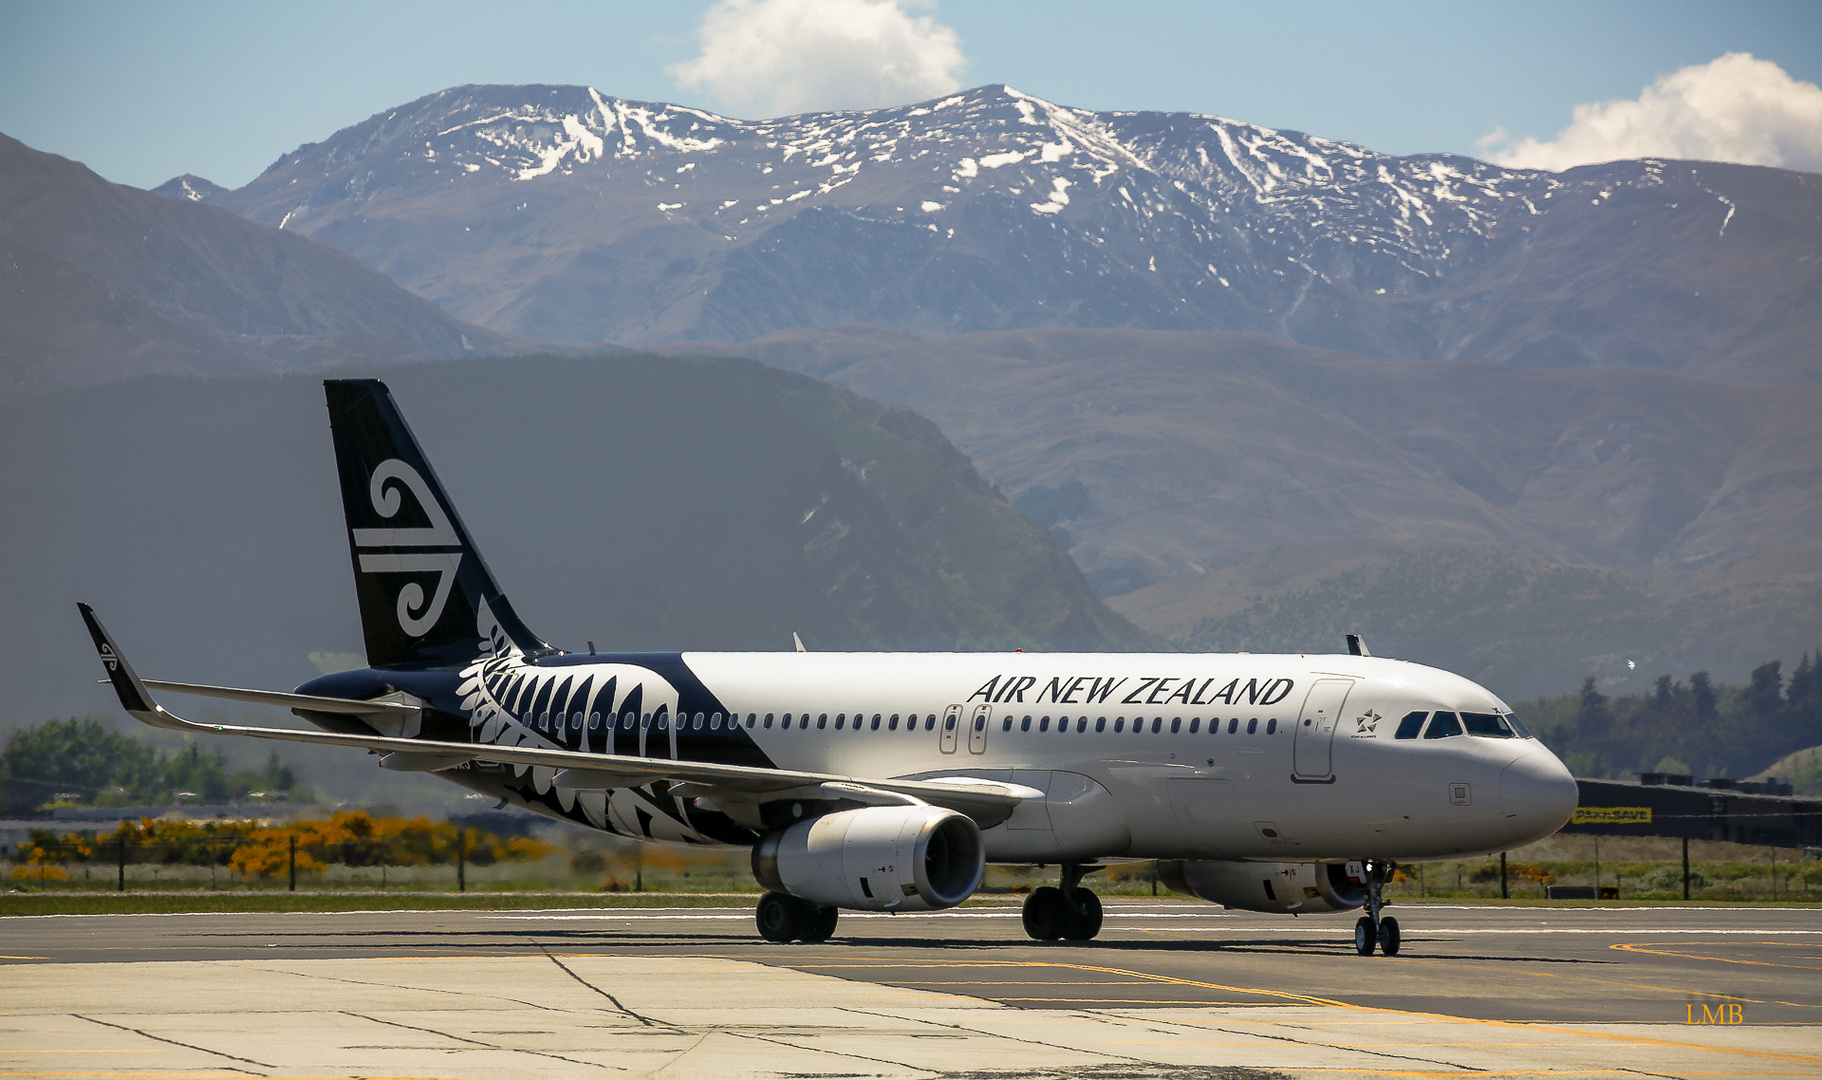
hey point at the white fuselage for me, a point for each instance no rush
(1170, 756)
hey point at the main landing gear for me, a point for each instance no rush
(783, 918)
(1371, 930)
(1070, 912)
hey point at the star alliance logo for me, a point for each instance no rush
(1366, 726)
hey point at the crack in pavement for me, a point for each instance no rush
(616, 1001)
(185, 1045)
(479, 1043)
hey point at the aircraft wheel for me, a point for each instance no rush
(1046, 913)
(778, 917)
(1365, 937)
(819, 924)
(1388, 936)
(1084, 916)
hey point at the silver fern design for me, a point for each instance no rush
(606, 708)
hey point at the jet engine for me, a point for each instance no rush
(879, 858)
(1278, 888)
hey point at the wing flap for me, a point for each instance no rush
(338, 706)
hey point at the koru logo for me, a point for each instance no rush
(435, 548)
(108, 659)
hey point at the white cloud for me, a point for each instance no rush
(1736, 108)
(773, 57)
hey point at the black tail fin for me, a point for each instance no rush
(426, 597)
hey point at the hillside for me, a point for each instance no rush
(1191, 452)
(642, 503)
(1499, 614)
(100, 281)
(559, 212)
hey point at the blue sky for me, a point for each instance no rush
(142, 92)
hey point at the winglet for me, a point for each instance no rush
(134, 697)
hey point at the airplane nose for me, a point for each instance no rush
(1538, 793)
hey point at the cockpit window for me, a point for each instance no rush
(1410, 725)
(1512, 722)
(1443, 725)
(1486, 724)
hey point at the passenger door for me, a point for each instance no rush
(1311, 746)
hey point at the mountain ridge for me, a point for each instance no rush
(563, 213)
(153, 284)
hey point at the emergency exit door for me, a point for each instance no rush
(952, 719)
(977, 729)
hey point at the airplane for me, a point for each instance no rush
(887, 781)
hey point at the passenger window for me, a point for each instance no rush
(1271, 726)
(1486, 724)
(1252, 725)
(1081, 724)
(822, 721)
(930, 722)
(1194, 722)
(1100, 723)
(840, 719)
(1410, 725)
(1233, 725)
(1443, 725)
(892, 724)
(1176, 724)
(1006, 724)
(1044, 723)
(768, 720)
(1119, 724)
(715, 722)
(1157, 724)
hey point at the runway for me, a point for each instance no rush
(1167, 986)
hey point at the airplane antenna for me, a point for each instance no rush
(799, 642)
(1357, 645)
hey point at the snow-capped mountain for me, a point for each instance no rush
(562, 213)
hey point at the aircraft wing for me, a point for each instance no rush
(988, 802)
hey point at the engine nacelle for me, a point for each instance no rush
(880, 858)
(1278, 888)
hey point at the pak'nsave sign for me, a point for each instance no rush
(1611, 815)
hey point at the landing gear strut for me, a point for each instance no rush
(1372, 931)
(1070, 912)
(783, 917)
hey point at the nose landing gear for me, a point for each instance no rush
(1070, 911)
(1371, 931)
